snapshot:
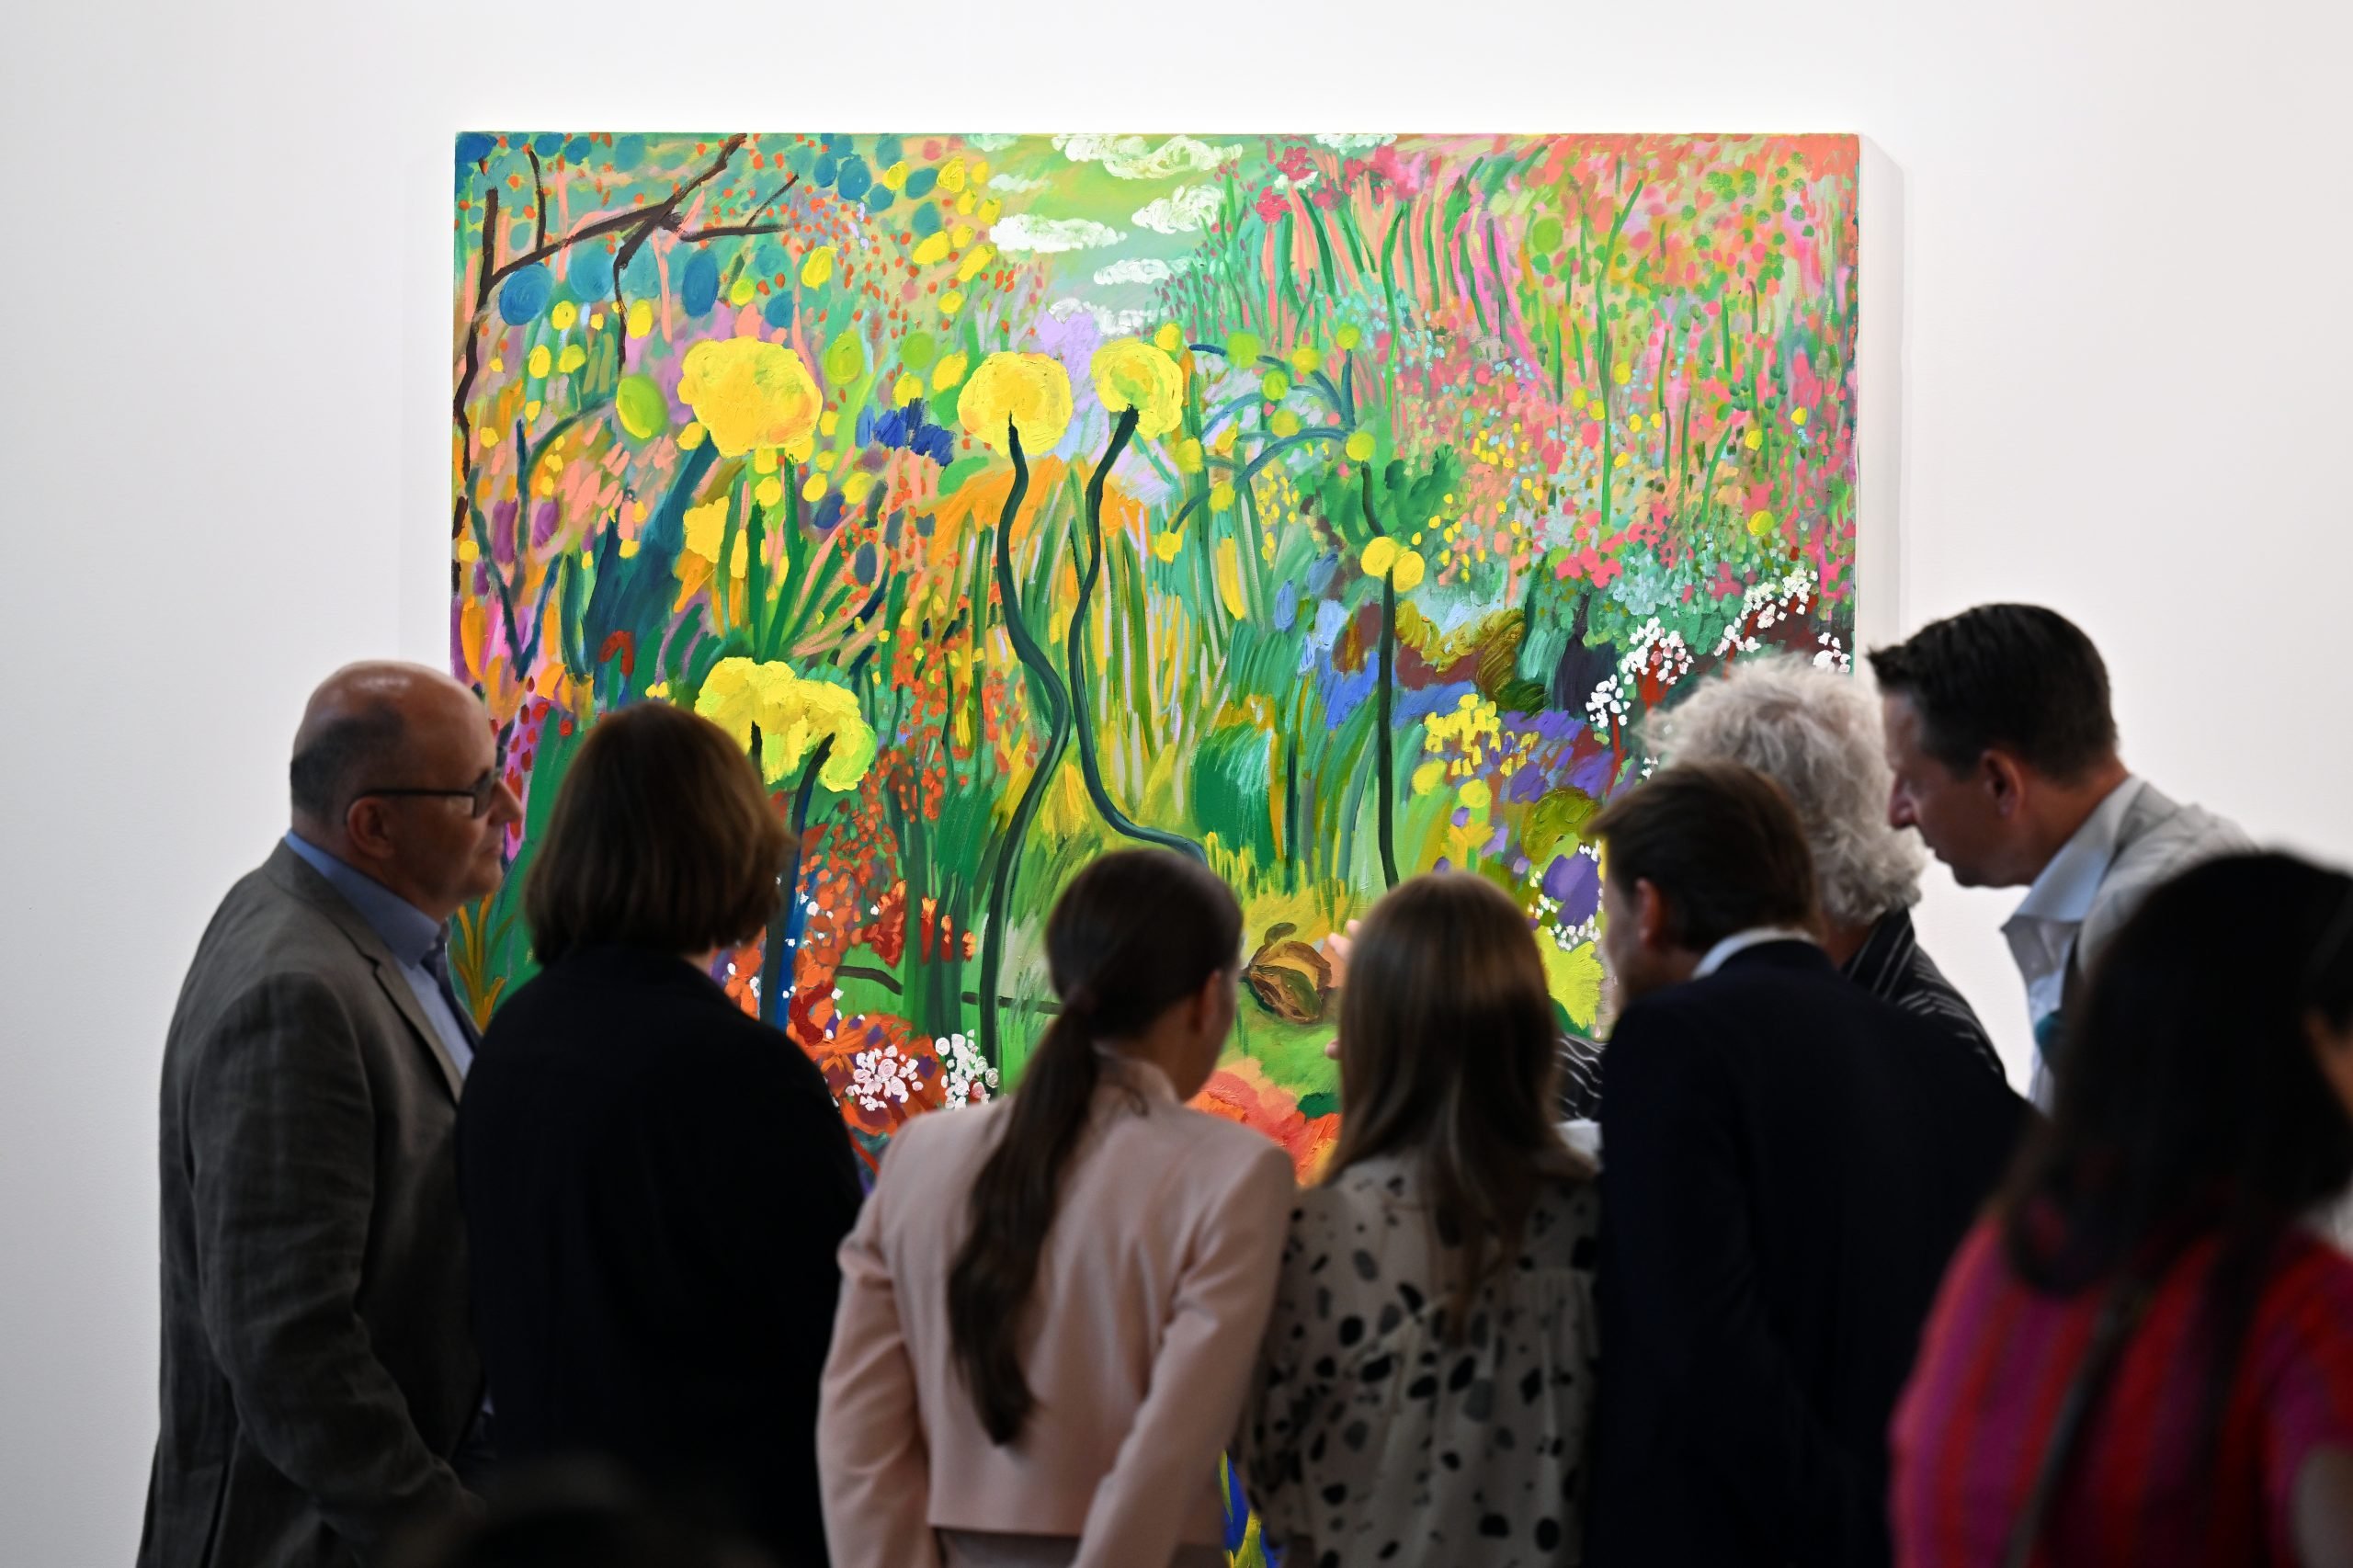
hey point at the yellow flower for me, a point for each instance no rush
(1761, 523)
(1220, 498)
(1407, 573)
(1378, 557)
(1477, 793)
(641, 317)
(539, 363)
(1306, 360)
(749, 393)
(1360, 447)
(793, 715)
(1754, 439)
(1131, 373)
(948, 372)
(1029, 392)
(1166, 545)
(1189, 457)
(1797, 416)
(705, 526)
(951, 301)
(563, 315)
(1170, 338)
(818, 267)
(1347, 337)
(1284, 424)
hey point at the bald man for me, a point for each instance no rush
(318, 1369)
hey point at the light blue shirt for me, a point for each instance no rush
(408, 931)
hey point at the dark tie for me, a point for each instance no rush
(437, 965)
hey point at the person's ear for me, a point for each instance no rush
(1653, 916)
(367, 825)
(2005, 782)
(2333, 1052)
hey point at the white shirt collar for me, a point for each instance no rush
(1741, 941)
(2063, 893)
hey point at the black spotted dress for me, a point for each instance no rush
(1373, 1439)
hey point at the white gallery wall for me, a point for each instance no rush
(2106, 352)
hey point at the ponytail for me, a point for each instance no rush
(1113, 981)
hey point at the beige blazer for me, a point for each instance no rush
(1152, 1294)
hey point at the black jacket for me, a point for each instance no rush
(1788, 1164)
(654, 1186)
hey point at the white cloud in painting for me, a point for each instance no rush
(992, 141)
(1183, 211)
(1132, 157)
(1017, 184)
(1350, 142)
(1028, 232)
(1135, 270)
(1110, 323)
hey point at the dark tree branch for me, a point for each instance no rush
(539, 198)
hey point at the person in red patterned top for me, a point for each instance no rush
(2144, 1355)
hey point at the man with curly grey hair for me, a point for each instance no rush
(1816, 733)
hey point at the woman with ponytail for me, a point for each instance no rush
(1051, 1304)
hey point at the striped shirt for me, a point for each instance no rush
(2140, 1491)
(1894, 967)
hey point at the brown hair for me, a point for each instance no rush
(1448, 1053)
(1135, 933)
(662, 838)
(1721, 842)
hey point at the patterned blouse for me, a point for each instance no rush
(1377, 1441)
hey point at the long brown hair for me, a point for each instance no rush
(2191, 1106)
(1449, 1054)
(1135, 933)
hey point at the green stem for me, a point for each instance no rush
(1052, 698)
(1384, 748)
(1075, 646)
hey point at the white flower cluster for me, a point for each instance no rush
(883, 1075)
(970, 1080)
(1764, 605)
(1834, 655)
(1607, 705)
(1654, 645)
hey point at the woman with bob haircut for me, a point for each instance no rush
(1051, 1304)
(654, 1183)
(2143, 1356)
(1427, 1378)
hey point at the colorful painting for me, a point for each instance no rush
(1331, 508)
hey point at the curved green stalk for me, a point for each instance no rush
(1057, 705)
(1082, 715)
(1384, 749)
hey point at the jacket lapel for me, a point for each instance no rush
(294, 875)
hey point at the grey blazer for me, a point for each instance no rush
(318, 1366)
(2158, 839)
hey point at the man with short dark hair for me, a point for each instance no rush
(2004, 749)
(318, 1371)
(1788, 1163)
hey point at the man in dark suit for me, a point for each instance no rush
(318, 1374)
(1788, 1163)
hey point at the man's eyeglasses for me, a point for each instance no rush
(477, 797)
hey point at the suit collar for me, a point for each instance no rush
(298, 879)
(2063, 891)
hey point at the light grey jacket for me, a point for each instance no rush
(318, 1368)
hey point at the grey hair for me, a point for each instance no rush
(1816, 734)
